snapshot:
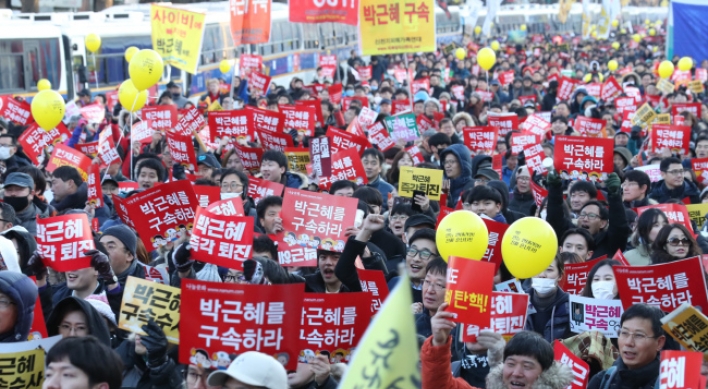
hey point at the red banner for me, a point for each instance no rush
(496, 232)
(334, 322)
(250, 22)
(504, 122)
(581, 370)
(15, 111)
(342, 140)
(675, 213)
(374, 282)
(535, 125)
(681, 370)
(162, 117)
(182, 150)
(422, 83)
(378, 135)
(321, 217)
(694, 108)
(223, 240)
(534, 156)
(95, 192)
(700, 166)
(88, 149)
(626, 104)
(266, 120)
(162, 211)
(400, 106)
(566, 86)
(34, 140)
(66, 156)
(93, 113)
(233, 123)
(192, 121)
(469, 286)
(591, 128)
(610, 89)
(228, 207)
(416, 155)
(321, 156)
(299, 118)
(235, 318)
(62, 241)
(593, 89)
(576, 275)
(507, 316)
(107, 153)
(346, 165)
(347, 101)
(519, 141)
(364, 73)
(583, 157)
(259, 188)
(506, 78)
(296, 252)
(250, 157)
(666, 286)
(275, 140)
(142, 131)
(675, 138)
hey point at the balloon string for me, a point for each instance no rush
(95, 67)
(130, 141)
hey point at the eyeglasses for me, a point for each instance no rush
(69, 329)
(232, 185)
(5, 304)
(523, 178)
(639, 337)
(676, 172)
(589, 216)
(234, 278)
(679, 242)
(481, 180)
(192, 377)
(433, 286)
(424, 254)
(449, 162)
(629, 183)
(399, 217)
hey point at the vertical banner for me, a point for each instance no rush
(95, 192)
(250, 21)
(397, 26)
(469, 286)
(321, 156)
(177, 36)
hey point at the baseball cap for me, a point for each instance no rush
(494, 83)
(209, 160)
(385, 101)
(19, 179)
(255, 369)
(84, 92)
(419, 220)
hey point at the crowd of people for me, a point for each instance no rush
(591, 220)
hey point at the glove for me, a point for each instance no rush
(613, 184)
(155, 343)
(182, 257)
(100, 262)
(37, 266)
(554, 179)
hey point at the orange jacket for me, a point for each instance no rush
(437, 369)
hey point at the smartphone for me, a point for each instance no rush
(400, 200)
(414, 206)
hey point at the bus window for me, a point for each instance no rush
(12, 75)
(51, 61)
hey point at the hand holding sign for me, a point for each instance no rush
(442, 324)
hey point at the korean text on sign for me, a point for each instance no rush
(583, 158)
(581, 370)
(373, 281)
(401, 26)
(507, 316)
(293, 251)
(220, 239)
(334, 322)
(469, 286)
(62, 241)
(144, 300)
(413, 179)
(589, 314)
(177, 36)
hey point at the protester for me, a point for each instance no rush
(601, 283)
(17, 299)
(552, 317)
(82, 363)
(673, 242)
(649, 223)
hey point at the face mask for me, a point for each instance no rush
(348, 93)
(603, 290)
(176, 95)
(374, 87)
(5, 153)
(543, 286)
(226, 196)
(17, 203)
(377, 100)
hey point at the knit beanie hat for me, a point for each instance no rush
(125, 235)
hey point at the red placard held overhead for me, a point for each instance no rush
(88, 149)
(275, 140)
(93, 113)
(234, 318)
(259, 189)
(480, 140)
(584, 158)
(94, 191)
(181, 150)
(666, 286)
(34, 140)
(566, 86)
(507, 316)
(66, 156)
(220, 239)
(627, 104)
(576, 275)
(250, 22)
(266, 120)
(378, 135)
(400, 106)
(250, 157)
(674, 138)
(299, 118)
(321, 217)
(346, 165)
(469, 286)
(335, 93)
(536, 125)
(364, 72)
(519, 141)
(328, 62)
(162, 117)
(504, 122)
(693, 108)
(107, 153)
(589, 127)
(506, 78)
(374, 282)
(15, 111)
(342, 140)
(581, 370)
(259, 82)
(190, 122)
(63, 240)
(233, 123)
(207, 194)
(421, 83)
(610, 89)
(534, 156)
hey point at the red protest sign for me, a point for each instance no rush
(249, 63)
(15, 111)
(674, 138)
(95, 192)
(534, 156)
(675, 213)
(505, 122)
(576, 275)
(378, 135)
(566, 86)
(228, 207)
(162, 117)
(233, 124)
(181, 150)
(469, 286)
(259, 82)
(107, 153)
(312, 105)
(142, 131)
(480, 140)
(527, 99)
(496, 232)
(666, 285)
(421, 83)
(342, 140)
(591, 128)
(700, 167)
(321, 217)
(192, 121)
(335, 93)
(207, 194)
(485, 95)
(424, 124)
(297, 251)
(594, 89)
(224, 240)
(539, 193)
(299, 118)
(334, 321)
(586, 157)
(259, 188)
(507, 316)
(581, 370)
(400, 106)
(238, 318)
(519, 141)
(93, 113)
(507, 77)
(66, 156)
(266, 121)
(162, 210)
(34, 140)
(88, 149)
(536, 125)
(321, 156)
(328, 62)
(374, 282)
(347, 101)
(416, 155)
(693, 108)
(249, 25)
(364, 72)
(250, 157)
(346, 165)
(626, 104)
(610, 89)
(62, 241)
(275, 140)
(680, 369)
(38, 330)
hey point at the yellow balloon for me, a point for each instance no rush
(587, 78)
(486, 58)
(462, 234)
(612, 65)
(685, 64)
(623, 31)
(130, 98)
(460, 54)
(616, 45)
(647, 22)
(652, 32)
(594, 34)
(130, 52)
(664, 3)
(48, 109)
(92, 42)
(145, 68)
(529, 247)
(224, 66)
(43, 84)
(637, 38)
(615, 23)
(494, 45)
(477, 30)
(523, 27)
(658, 24)
(655, 49)
(666, 69)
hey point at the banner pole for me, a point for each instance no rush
(409, 81)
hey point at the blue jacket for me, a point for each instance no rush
(559, 325)
(384, 188)
(661, 193)
(76, 136)
(464, 181)
(23, 292)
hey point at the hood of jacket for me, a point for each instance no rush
(503, 189)
(8, 255)
(75, 200)
(462, 153)
(558, 376)
(295, 180)
(480, 160)
(23, 292)
(26, 244)
(96, 324)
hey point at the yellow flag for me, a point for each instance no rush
(215, 106)
(564, 7)
(388, 355)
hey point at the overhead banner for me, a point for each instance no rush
(177, 35)
(324, 11)
(250, 21)
(397, 26)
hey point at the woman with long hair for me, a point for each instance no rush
(649, 223)
(674, 242)
(402, 158)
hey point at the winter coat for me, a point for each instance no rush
(345, 270)
(640, 203)
(522, 202)
(437, 371)
(95, 322)
(294, 180)
(558, 327)
(384, 188)
(661, 193)
(22, 291)
(623, 378)
(639, 256)
(61, 292)
(509, 215)
(28, 217)
(464, 181)
(136, 373)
